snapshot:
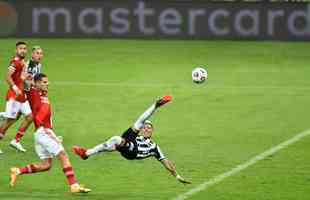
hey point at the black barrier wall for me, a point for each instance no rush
(156, 19)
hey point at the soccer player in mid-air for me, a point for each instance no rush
(16, 102)
(32, 68)
(47, 144)
(132, 146)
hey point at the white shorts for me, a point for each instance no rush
(47, 145)
(13, 108)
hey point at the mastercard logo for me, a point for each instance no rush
(8, 19)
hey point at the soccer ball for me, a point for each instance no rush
(199, 75)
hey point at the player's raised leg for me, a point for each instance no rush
(148, 113)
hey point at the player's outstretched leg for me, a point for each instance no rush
(109, 145)
(80, 151)
(45, 165)
(15, 143)
(148, 113)
(42, 166)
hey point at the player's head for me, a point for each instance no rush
(147, 129)
(37, 53)
(41, 82)
(21, 49)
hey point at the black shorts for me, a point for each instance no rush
(130, 148)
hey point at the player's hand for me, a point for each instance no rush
(16, 90)
(182, 180)
(60, 139)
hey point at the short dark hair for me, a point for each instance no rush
(39, 77)
(36, 47)
(20, 43)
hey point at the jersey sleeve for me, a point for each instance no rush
(12, 66)
(25, 69)
(16, 65)
(159, 154)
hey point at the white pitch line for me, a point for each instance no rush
(242, 166)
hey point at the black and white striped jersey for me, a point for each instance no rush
(32, 68)
(147, 148)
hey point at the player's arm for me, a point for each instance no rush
(24, 73)
(171, 168)
(10, 81)
(27, 78)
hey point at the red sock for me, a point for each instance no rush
(19, 134)
(70, 175)
(28, 169)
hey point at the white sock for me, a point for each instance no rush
(109, 145)
(2, 114)
(139, 123)
(75, 185)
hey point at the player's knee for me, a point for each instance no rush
(10, 120)
(62, 155)
(137, 127)
(117, 140)
(29, 118)
(47, 165)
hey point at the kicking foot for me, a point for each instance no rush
(80, 151)
(13, 176)
(76, 188)
(17, 145)
(163, 100)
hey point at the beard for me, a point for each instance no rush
(21, 56)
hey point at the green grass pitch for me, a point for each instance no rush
(257, 96)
